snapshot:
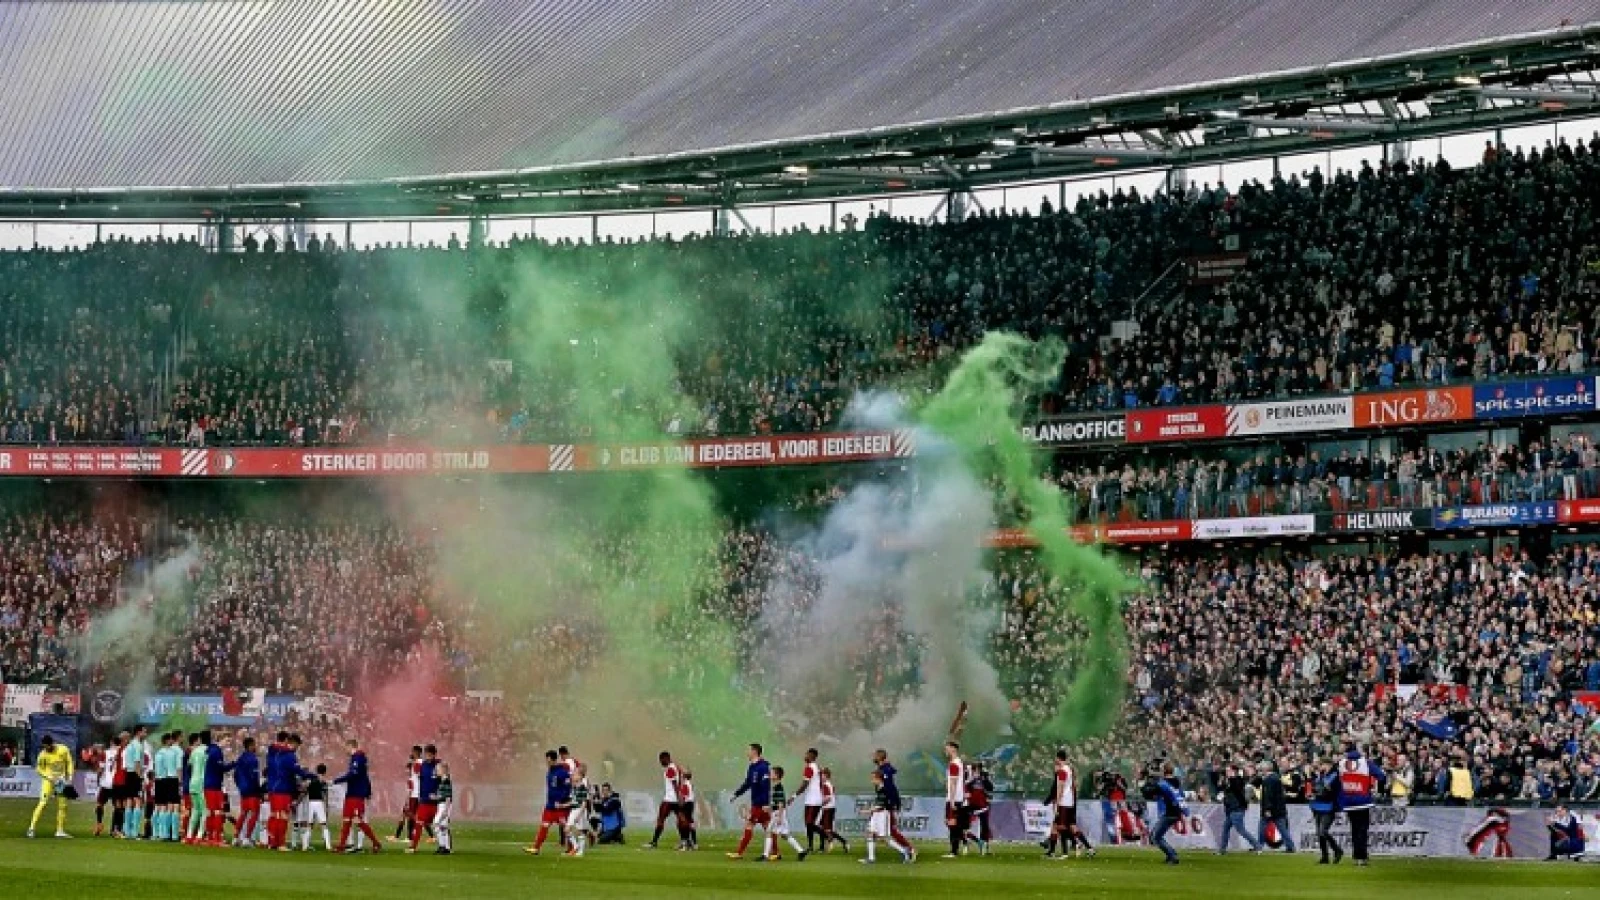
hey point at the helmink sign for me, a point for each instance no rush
(1376, 520)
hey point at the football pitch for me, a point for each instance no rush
(489, 862)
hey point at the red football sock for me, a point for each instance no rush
(344, 835)
(539, 841)
(371, 836)
(744, 841)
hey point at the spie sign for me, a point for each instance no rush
(1546, 396)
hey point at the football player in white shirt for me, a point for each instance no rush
(1065, 829)
(810, 794)
(829, 809)
(107, 767)
(671, 802)
(955, 797)
(686, 812)
(408, 817)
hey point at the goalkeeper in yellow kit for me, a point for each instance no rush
(55, 774)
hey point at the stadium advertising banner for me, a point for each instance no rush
(1578, 511)
(760, 450)
(1544, 397)
(921, 818)
(1185, 423)
(1114, 533)
(19, 782)
(1292, 416)
(83, 461)
(1077, 432)
(1398, 408)
(1254, 526)
(218, 709)
(509, 459)
(19, 701)
(1214, 268)
(1495, 515)
(1382, 520)
(1419, 831)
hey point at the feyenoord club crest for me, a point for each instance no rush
(107, 706)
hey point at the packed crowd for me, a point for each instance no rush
(1400, 274)
(1278, 483)
(1439, 660)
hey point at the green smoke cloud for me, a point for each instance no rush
(640, 543)
(977, 410)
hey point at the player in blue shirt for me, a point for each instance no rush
(758, 782)
(357, 790)
(246, 769)
(557, 800)
(881, 765)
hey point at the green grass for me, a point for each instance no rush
(489, 862)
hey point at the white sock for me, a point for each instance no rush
(769, 844)
(444, 836)
(361, 839)
(305, 837)
(579, 842)
(327, 839)
(871, 848)
(795, 844)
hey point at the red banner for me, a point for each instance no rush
(362, 462)
(1578, 511)
(510, 459)
(1115, 533)
(770, 450)
(83, 461)
(1435, 693)
(1178, 424)
(1451, 404)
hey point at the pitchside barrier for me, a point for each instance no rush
(1434, 831)
(1414, 831)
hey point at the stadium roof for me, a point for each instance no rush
(292, 93)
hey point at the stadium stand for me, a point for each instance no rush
(1277, 657)
(1395, 275)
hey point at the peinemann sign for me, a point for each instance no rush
(1291, 416)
